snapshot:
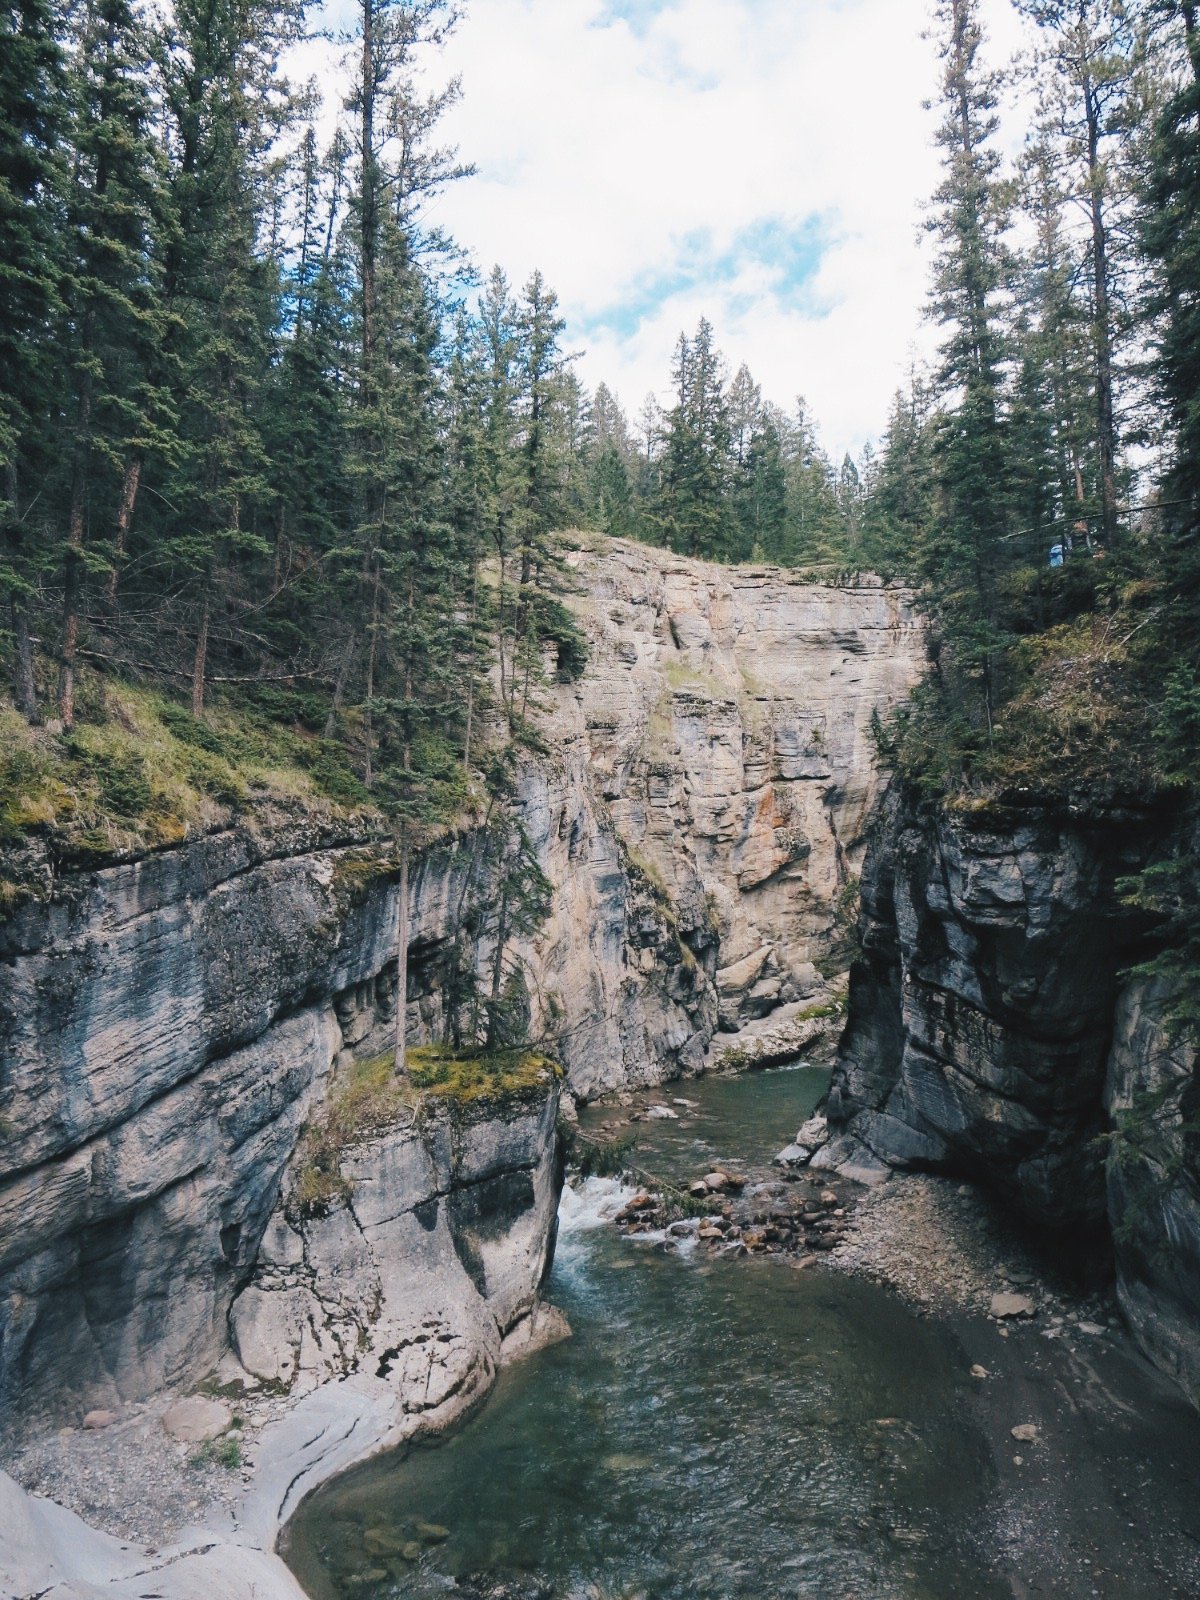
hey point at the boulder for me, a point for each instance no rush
(196, 1419)
(792, 1155)
(1007, 1305)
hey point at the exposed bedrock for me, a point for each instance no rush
(994, 1032)
(169, 1025)
(419, 1275)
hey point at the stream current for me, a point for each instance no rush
(715, 1429)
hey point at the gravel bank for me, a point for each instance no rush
(133, 1480)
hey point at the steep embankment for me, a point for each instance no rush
(994, 1031)
(169, 1024)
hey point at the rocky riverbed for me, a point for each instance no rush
(1081, 1431)
(936, 1405)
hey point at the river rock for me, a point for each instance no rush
(1011, 1305)
(1025, 1432)
(851, 1158)
(792, 1155)
(814, 1133)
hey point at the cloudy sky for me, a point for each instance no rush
(759, 162)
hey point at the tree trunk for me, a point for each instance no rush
(280, 547)
(1192, 34)
(471, 665)
(369, 219)
(402, 958)
(72, 574)
(70, 633)
(129, 493)
(368, 713)
(1106, 429)
(497, 972)
(200, 658)
(339, 688)
(24, 683)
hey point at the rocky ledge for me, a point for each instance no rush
(379, 1316)
(995, 1032)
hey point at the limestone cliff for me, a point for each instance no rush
(994, 1032)
(725, 722)
(168, 1025)
(433, 1258)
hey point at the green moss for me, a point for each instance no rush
(223, 1452)
(354, 875)
(139, 772)
(1077, 715)
(467, 1078)
(368, 1098)
(828, 1008)
(683, 677)
(647, 872)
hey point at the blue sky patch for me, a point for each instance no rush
(791, 252)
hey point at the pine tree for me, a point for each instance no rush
(538, 618)
(1055, 344)
(693, 509)
(814, 531)
(33, 112)
(760, 497)
(965, 556)
(899, 514)
(226, 101)
(1088, 59)
(112, 314)
(410, 577)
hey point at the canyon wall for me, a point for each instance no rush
(169, 1025)
(995, 1031)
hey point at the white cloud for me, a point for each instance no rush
(659, 161)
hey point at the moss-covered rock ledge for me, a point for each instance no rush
(369, 1099)
(414, 1228)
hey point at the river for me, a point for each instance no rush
(736, 1428)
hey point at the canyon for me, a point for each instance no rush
(170, 1026)
(177, 1029)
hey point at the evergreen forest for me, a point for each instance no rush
(275, 449)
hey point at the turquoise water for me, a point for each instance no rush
(714, 1429)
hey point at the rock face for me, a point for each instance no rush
(1153, 1100)
(420, 1274)
(168, 1025)
(725, 722)
(993, 1033)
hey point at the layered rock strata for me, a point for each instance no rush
(994, 1032)
(430, 1261)
(726, 715)
(169, 1025)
